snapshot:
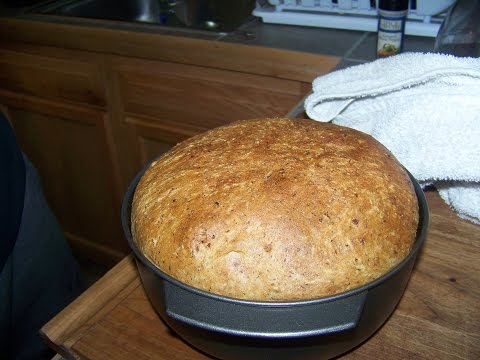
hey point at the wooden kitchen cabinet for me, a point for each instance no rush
(52, 75)
(70, 149)
(166, 102)
(56, 105)
(153, 138)
(202, 97)
(91, 107)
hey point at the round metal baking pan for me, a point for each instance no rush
(230, 328)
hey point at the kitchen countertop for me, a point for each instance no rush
(438, 317)
(353, 47)
(348, 47)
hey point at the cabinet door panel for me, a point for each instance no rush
(51, 78)
(154, 138)
(203, 97)
(73, 159)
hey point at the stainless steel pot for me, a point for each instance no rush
(237, 329)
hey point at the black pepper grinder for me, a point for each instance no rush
(391, 26)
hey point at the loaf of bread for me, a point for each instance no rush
(275, 210)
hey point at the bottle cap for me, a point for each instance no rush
(393, 5)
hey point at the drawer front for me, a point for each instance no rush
(51, 77)
(203, 97)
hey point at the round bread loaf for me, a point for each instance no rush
(275, 210)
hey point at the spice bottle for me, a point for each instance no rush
(391, 26)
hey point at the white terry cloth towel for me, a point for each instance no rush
(425, 108)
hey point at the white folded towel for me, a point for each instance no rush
(425, 108)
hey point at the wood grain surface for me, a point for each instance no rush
(271, 62)
(437, 318)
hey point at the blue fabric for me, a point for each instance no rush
(40, 276)
(12, 189)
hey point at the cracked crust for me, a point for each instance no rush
(276, 209)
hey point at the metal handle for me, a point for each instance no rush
(264, 320)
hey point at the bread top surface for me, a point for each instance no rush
(275, 210)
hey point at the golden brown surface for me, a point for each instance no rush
(275, 209)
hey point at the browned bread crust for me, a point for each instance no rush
(276, 209)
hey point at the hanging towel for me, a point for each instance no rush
(425, 108)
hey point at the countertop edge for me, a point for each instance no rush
(281, 63)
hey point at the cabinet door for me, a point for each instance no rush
(201, 97)
(70, 147)
(153, 138)
(164, 103)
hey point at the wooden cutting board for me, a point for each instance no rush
(437, 318)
